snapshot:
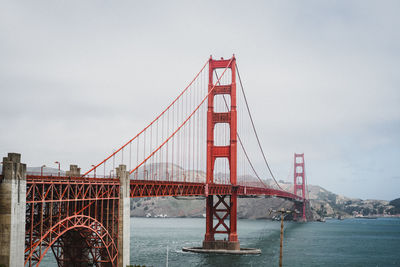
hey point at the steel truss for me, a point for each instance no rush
(77, 218)
(74, 217)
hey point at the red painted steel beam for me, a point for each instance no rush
(145, 188)
(57, 205)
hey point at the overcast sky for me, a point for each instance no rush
(78, 78)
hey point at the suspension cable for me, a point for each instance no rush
(304, 169)
(182, 125)
(151, 123)
(240, 140)
(254, 129)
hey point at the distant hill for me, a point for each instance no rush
(323, 204)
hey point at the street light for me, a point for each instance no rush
(41, 170)
(283, 212)
(58, 167)
(94, 166)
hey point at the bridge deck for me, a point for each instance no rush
(145, 188)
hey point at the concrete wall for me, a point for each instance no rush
(12, 211)
(74, 171)
(124, 217)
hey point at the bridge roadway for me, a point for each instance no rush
(142, 188)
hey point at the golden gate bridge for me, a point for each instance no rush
(197, 146)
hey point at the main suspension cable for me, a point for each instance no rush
(151, 123)
(240, 140)
(180, 126)
(254, 129)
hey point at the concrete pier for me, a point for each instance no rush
(221, 244)
(124, 216)
(12, 211)
(241, 251)
(74, 171)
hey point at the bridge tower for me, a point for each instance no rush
(300, 184)
(225, 207)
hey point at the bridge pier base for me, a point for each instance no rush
(222, 210)
(124, 217)
(221, 244)
(12, 211)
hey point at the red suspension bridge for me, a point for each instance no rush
(202, 144)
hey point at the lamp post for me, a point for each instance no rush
(58, 167)
(94, 166)
(41, 170)
(111, 172)
(283, 212)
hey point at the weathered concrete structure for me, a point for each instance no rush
(74, 171)
(12, 211)
(124, 216)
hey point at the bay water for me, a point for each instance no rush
(350, 242)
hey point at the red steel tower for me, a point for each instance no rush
(225, 207)
(300, 182)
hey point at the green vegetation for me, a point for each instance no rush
(322, 211)
(396, 208)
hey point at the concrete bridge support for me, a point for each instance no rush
(74, 171)
(124, 217)
(12, 211)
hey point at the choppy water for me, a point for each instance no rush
(352, 242)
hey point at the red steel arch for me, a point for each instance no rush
(72, 210)
(68, 224)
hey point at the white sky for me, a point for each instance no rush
(78, 78)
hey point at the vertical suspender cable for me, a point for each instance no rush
(254, 129)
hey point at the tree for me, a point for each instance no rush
(396, 204)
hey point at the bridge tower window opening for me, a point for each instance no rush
(225, 75)
(221, 134)
(299, 169)
(299, 159)
(299, 180)
(222, 103)
(221, 171)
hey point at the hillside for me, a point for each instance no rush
(251, 208)
(323, 204)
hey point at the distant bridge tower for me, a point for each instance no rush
(300, 184)
(225, 208)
